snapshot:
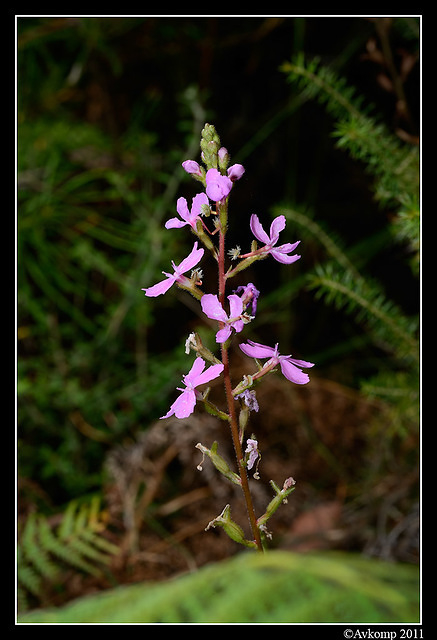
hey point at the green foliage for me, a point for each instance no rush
(273, 587)
(45, 551)
(90, 236)
(393, 164)
(342, 279)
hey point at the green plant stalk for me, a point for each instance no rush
(233, 422)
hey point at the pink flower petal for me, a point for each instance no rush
(217, 186)
(302, 363)
(198, 201)
(292, 373)
(257, 350)
(258, 230)
(175, 223)
(195, 371)
(223, 334)
(213, 372)
(235, 306)
(276, 227)
(212, 308)
(159, 288)
(184, 405)
(182, 209)
(279, 256)
(190, 261)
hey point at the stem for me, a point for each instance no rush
(230, 399)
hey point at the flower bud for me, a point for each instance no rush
(223, 158)
(235, 172)
(191, 166)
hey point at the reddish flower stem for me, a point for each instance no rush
(231, 403)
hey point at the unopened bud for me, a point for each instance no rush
(235, 172)
(223, 158)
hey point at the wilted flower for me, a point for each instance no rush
(249, 295)
(252, 450)
(249, 398)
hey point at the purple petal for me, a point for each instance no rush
(212, 308)
(190, 261)
(257, 229)
(291, 372)
(257, 350)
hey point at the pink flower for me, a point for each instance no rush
(218, 187)
(188, 217)
(214, 310)
(184, 405)
(289, 366)
(188, 263)
(278, 253)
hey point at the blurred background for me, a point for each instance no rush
(324, 115)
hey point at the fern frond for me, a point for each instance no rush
(44, 552)
(390, 328)
(274, 587)
(393, 163)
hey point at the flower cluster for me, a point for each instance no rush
(231, 312)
